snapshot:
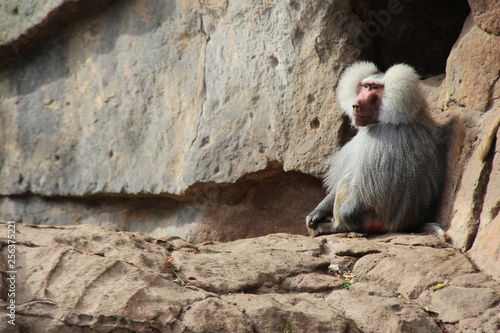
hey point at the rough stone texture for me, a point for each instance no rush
(486, 249)
(416, 266)
(19, 17)
(28, 24)
(193, 118)
(86, 109)
(471, 90)
(462, 298)
(291, 313)
(486, 13)
(175, 99)
(467, 84)
(468, 202)
(249, 208)
(491, 204)
(368, 310)
(152, 100)
(75, 278)
(241, 270)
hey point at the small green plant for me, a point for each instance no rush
(346, 284)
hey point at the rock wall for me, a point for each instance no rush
(472, 95)
(184, 117)
(214, 119)
(172, 100)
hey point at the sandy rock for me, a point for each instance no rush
(312, 282)
(485, 251)
(56, 280)
(156, 101)
(370, 313)
(215, 315)
(489, 321)
(213, 212)
(103, 104)
(434, 92)
(411, 270)
(486, 13)
(140, 118)
(249, 265)
(88, 277)
(478, 176)
(28, 24)
(491, 153)
(117, 246)
(453, 303)
(372, 289)
(235, 213)
(467, 84)
(292, 313)
(342, 245)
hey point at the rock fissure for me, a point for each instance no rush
(479, 196)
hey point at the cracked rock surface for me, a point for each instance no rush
(91, 279)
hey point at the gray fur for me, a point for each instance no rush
(392, 170)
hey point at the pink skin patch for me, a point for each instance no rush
(367, 105)
(374, 226)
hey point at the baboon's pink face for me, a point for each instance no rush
(366, 109)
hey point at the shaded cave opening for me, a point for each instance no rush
(419, 33)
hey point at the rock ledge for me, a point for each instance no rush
(86, 277)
